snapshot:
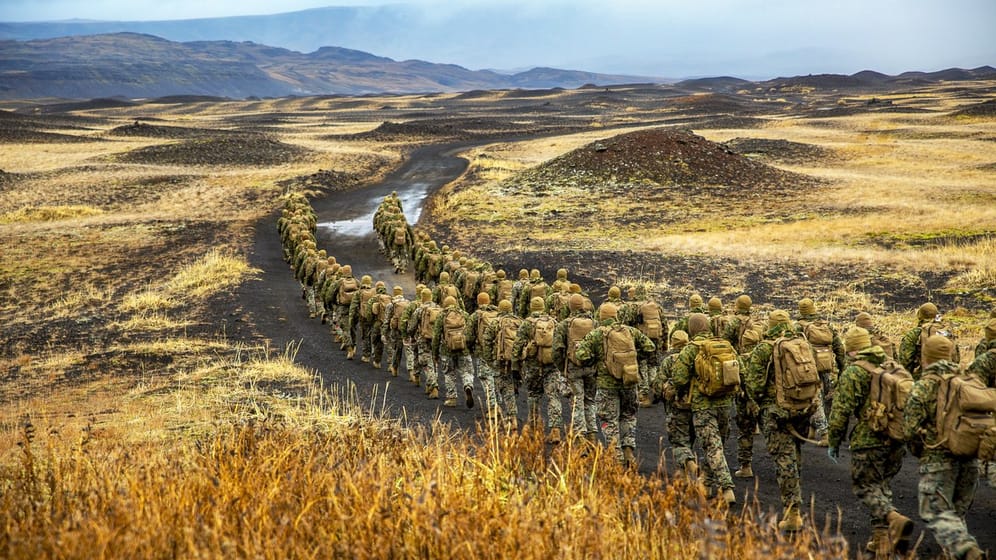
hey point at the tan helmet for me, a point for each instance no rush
(631, 292)
(505, 306)
(679, 339)
(483, 299)
(523, 274)
(715, 305)
(425, 295)
(335, 268)
(537, 305)
(366, 280)
(926, 312)
(574, 288)
(501, 273)
(534, 274)
(449, 301)
(331, 260)
(561, 274)
(807, 307)
(937, 348)
(863, 320)
(346, 270)
(778, 317)
(990, 329)
(575, 302)
(380, 285)
(694, 301)
(744, 303)
(615, 292)
(857, 338)
(607, 311)
(399, 291)
(697, 323)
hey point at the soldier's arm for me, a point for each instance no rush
(522, 337)
(437, 334)
(838, 351)
(560, 343)
(915, 413)
(684, 366)
(851, 392)
(644, 345)
(731, 331)
(471, 331)
(756, 378)
(906, 355)
(984, 366)
(586, 352)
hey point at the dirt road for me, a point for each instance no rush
(345, 230)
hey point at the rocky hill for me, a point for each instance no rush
(134, 65)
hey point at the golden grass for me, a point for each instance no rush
(49, 214)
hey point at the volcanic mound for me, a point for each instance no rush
(140, 129)
(984, 109)
(248, 150)
(778, 150)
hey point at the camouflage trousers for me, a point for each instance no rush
(342, 322)
(425, 367)
(617, 417)
(393, 348)
(709, 427)
(505, 389)
(376, 343)
(408, 345)
(581, 381)
(486, 375)
(309, 296)
(872, 471)
(819, 418)
(746, 426)
(648, 372)
(365, 331)
(543, 382)
(457, 369)
(399, 258)
(946, 491)
(786, 451)
(681, 435)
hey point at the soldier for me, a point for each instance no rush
(910, 347)
(878, 338)
(680, 429)
(534, 349)
(480, 320)
(408, 339)
(392, 329)
(446, 288)
(646, 315)
(580, 379)
(780, 428)
(420, 326)
(345, 290)
(988, 341)
(614, 296)
(536, 288)
(517, 287)
(502, 288)
(718, 319)
(378, 306)
(744, 332)
(695, 305)
(947, 482)
(452, 352)
(710, 414)
(875, 456)
(499, 340)
(359, 316)
(829, 352)
(615, 397)
(561, 283)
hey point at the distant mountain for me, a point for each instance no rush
(134, 65)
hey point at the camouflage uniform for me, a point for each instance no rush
(580, 379)
(746, 409)
(393, 334)
(988, 341)
(615, 402)
(819, 419)
(631, 315)
(536, 283)
(504, 376)
(909, 348)
(710, 415)
(876, 458)
(454, 363)
(425, 366)
(776, 424)
(541, 380)
(947, 483)
(984, 366)
(377, 307)
(341, 316)
(680, 428)
(485, 372)
(359, 316)
(408, 339)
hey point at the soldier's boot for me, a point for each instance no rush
(554, 436)
(791, 520)
(412, 378)
(449, 402)
(878, 546)
(691, 468)
(351, 352)
(392, 370)
(375, 364)
(365, 359)
(730, 496)
(468, 393)
(745, 471)
(629, 458)
(974, 553)
(900, 531)
(646, 401)
(434, 393)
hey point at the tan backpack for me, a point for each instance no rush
(966, 415)
(398, 311)
(620, 354)
(577, 329)
(538, 290)
(940, 328)
(454, 326)
(470, 280)
(820, 337)
(751, 333)
(365, 295)
(887, 395)
(650, 321)
(379, 307)
(542, 343)
(400, 235)
(718, 324)
(508, 328)
(717, 367)
(883, 342)
(347, 289)
(485, 317)
(504, 290)
(428, 320)
(560, 302)
(797, 381)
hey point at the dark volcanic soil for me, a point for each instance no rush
(253, 150)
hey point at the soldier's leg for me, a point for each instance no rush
(505, 388)
(746, 425)
(782, 448)
(312, 302)
(427, 367)
(707, 427)
(819, 419)
(408, 345)
(590, 409)
(376, 346)
(448, 365)
(607, 403)
(679, 434)
(552, 382)
(871, 475)
(578, 425)
(486, 374)
(532, 379)
(938, 503)
(628, 404)
(365, 338)
(464, 372)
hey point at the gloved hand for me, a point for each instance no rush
(669, 392)
(752, 408)
(833, 453)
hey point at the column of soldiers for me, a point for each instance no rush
(469, 320)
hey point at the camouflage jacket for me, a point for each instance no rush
(984, 345)
(759, 379)
(524, 336)
(853, 391)
(984, 366)
(491, 337)
(909, 351)
(686, 380)
(665, 376)
(733, 329)
(560, 336)
(919, 415)
(439, 347)
(591, 351)
(476, 336)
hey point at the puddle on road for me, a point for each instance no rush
(411, 198)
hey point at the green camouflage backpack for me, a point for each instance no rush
(717, 368)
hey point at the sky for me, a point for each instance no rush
(677, 38)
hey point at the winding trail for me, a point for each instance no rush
(345, 230)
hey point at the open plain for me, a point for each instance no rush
(148, 315)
